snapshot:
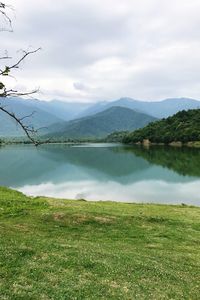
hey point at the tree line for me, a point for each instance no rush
(183, 127)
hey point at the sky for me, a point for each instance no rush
(95, 50)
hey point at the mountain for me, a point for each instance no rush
(39, 118)
(62, 110)
(158, 109)
(99, 125)
(182, 127)
(45, 113)
(58, 112)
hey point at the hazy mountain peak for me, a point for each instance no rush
(56, 111)
(103, 123)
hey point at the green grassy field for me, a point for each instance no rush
(61, 249)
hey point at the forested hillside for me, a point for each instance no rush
(182, 127)
(102, 124)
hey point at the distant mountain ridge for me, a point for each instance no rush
(38, 117)
(58, 112)
(101, 124)
(158, 109)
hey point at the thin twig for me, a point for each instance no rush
(7, 69)
(3, 7)
(28, 130)
(4, 92)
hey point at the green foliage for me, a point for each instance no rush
(102, 124)
(59, 249)
(116, 136)
(1, 85)
(183, 126)
(6, 71)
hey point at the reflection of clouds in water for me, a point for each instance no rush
(143, 191)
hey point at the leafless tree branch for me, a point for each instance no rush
(28, 116)
(5, 57)
(27, 129)
(3, 8)
(6, 71)
(14, 93)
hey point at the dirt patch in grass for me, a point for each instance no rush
(104, 220)
(58, 216)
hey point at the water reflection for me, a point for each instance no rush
(183, 160)
(103, 172)
(143, 191)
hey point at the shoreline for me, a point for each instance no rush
(177, 144)
(102, 201)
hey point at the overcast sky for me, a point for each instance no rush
(106, 49)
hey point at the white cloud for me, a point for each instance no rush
(146, 49)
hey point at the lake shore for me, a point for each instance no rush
(103, 172)
(145, 143)
(178, 144)
(66, 249)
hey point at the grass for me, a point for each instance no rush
(62, 249)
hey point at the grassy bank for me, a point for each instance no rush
(60, 249)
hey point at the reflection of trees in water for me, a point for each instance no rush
(113, 161)
(22, 165)
(183, 160)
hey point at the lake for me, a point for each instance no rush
(103, 172)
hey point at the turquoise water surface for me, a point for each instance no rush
(103, 172)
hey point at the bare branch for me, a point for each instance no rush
(28, 116)
(7, 69)
(3, 12)
(5, 57)
(26, 53)
(14, 93)
(27, 129)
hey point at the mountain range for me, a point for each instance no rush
(57, 115)
(158, 109)
(101, 124)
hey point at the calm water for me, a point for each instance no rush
(104, 172)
